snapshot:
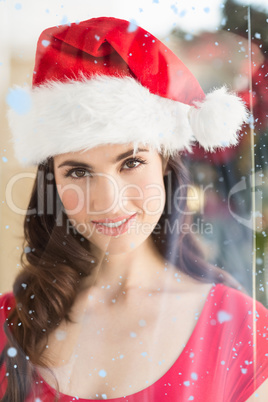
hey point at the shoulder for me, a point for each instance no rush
(7, 303)
(243, 329)
(237, 302)
(239, 313)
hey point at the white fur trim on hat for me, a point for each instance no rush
(78, 115)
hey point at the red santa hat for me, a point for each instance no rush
(106, 80)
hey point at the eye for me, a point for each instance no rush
(77, 173)
(80, 173)
(132, 161)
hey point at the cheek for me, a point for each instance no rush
(154, 195)
(72, 198)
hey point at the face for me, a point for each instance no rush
(110, 184)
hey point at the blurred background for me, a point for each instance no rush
(221, 42)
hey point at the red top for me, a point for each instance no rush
(217, 363)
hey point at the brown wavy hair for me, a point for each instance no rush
(55, 261)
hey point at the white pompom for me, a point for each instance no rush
(217, 120)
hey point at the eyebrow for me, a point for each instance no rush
(117, 159)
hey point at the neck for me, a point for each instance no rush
(140, 268)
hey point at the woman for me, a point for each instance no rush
(115, 300)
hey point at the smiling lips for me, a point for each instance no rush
(116, 220)
(114, 227)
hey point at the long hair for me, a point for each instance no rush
(55, 260)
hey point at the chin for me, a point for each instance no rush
(118, 245)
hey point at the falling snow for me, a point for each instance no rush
(60, 335)
(142, 323)
(132, 26)
(174, 8)
(12, 352)
(45, 43)
(223, 316)
(102, 373)
(194, 376)
(19, 100)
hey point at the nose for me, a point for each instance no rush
(104, 195)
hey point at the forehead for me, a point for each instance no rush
(111, 150)
(108, 153)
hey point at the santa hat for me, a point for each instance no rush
(106, 80)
